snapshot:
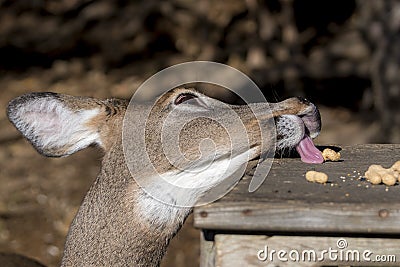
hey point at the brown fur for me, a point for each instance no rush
(110, 228)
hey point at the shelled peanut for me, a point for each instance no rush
(396, 167)
(330, 155)
(377, 174)
(317, 177)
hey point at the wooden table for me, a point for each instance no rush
(288, 213)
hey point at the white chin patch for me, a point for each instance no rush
(184, 189)
(210, 175)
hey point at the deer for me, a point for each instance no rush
(118, 222)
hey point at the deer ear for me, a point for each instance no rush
(56, 125)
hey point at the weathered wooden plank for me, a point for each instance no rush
(207, 251)
(287, 202)
(256, 250)
(301, 217)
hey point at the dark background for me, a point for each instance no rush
(343, 55)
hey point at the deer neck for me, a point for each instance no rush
(111, 227)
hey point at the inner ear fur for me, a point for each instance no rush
(56, 125)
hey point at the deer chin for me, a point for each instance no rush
(292, 131)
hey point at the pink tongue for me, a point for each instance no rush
(308, 152)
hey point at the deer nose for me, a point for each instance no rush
(311, 117)
(312, 121)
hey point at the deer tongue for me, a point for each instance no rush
(308, 152)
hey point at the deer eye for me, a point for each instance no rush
(183, 98)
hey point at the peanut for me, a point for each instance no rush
(396, 169)
(376, 168)
(310, 176)
(373, 177)
(396, 166)
(388, 178)
(377, 174)
(330, 154)
(317, 177)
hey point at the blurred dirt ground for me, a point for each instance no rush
(39, 196)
